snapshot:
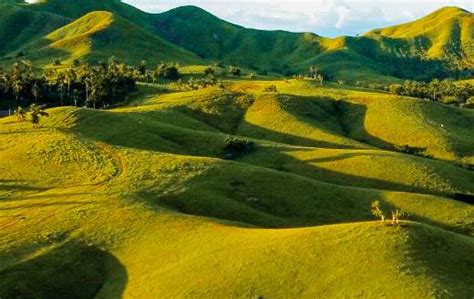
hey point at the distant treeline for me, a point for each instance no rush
(80, 84)
(444, 91)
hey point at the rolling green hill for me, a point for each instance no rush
(99, 35)
(139, 201)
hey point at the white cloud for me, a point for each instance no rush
(324, 17)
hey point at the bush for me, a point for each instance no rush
(166, 71)
(209, 71)
(236, 147)
(271, 88)
(235, 71)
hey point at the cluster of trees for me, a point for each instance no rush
(35, 111)
(235, 147)
(376, 210)
(315, 73)
(79, 85)
(442, 91)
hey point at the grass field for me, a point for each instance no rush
(139, 202)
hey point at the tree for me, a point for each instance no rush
(377, 210)
(35, 91)
(235, 71)
(209, 71)
(17, 88)
(320, 78)
(271, 88)
(165, 71)
(36, 112)
(396, 215)
(20, 114)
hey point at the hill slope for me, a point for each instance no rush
(20, 26)
(443, 34)
(138, 201)
(368, 56)
(99, 35)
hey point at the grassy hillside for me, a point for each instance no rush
(446, 33)
(20, 26)
(100, 35)
(138, 201)
(373, 57)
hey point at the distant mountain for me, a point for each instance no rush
(437, 45)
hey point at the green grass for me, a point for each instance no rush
(99, 35)
(138, 202)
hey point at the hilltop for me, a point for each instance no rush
(445, 33)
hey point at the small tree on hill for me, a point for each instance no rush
(271, 88)
(377, 210)
(320, 78)
(36, 112)
(20, 114)
(396, 215)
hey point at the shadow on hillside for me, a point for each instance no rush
(442, 256)
(18, 185)
(130, 130)
(73, 270)
(48, 204)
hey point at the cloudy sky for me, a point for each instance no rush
(324, 17)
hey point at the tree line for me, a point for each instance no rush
(80, 84)
(440, 91)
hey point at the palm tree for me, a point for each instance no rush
(17, 88)
(35, 91)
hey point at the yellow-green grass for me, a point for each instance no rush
(98, 36)
(447, 30)
(389, 121)
(138, 202)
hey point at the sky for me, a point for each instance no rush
(324, 17)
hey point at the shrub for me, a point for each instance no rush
(236, 147)
(235, 71)
(271, 88)
(166, 71)
(209, 71)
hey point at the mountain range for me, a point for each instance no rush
(438, 45)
